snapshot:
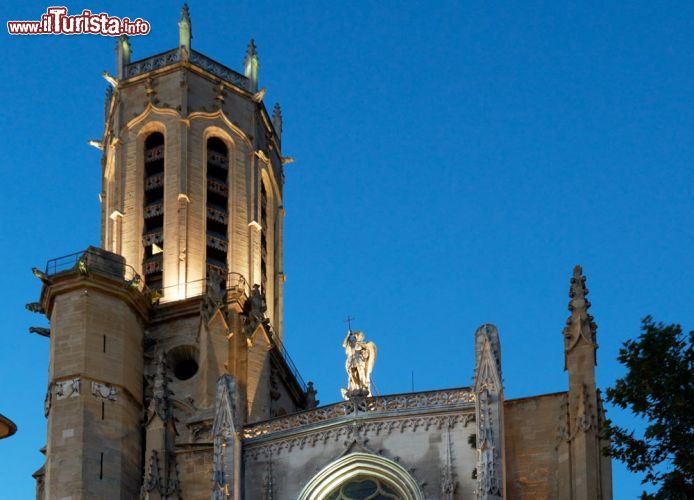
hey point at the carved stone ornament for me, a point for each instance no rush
(104, 391)
(580, 326)
(201, 430)
(311, 392)
(563, 431)
(35, 307)
(213, 299)
(448, 482)
(256, 309)
(267, 481)
(361, 357)
(160, 403)
(67, 389)
(489, 411)
(585, 417)
(225, 439)
(350, 432)
(451, 399)
(152, 476)
(47, 403)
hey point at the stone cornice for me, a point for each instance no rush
(356, 429)
(368, 408)
(72, 280)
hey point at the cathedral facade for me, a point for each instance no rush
(168, 378)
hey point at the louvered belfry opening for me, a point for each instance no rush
(217, 207)
(153, 228)
(263, 237)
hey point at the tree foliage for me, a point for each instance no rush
(658, 387)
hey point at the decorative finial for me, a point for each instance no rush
(311, 401)
(123, 53)
(185, 28)
(361, 356)
(580, 324)
(251, 63)
(160, 389)
(277, 119)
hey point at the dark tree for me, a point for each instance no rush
(658, 387)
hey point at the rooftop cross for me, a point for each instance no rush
(349, 322)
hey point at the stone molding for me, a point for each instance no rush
(357, 430)
(431, 400)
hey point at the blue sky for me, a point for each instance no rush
(454, 161)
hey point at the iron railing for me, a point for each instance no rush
(290, 362)
(92, 260)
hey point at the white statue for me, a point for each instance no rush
(360, 362)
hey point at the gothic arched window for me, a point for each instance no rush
(153, 228)
(361, 476)
(217, 208)
(363, 488)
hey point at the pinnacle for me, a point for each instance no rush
(580, 323)
(185, 13)
(252, 50)
(578, 292)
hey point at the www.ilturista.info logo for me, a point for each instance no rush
(56, 21)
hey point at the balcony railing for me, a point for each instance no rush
(95, 260)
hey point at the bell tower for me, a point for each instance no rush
(192, 173)
(185, 292)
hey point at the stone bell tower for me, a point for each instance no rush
(185, 292)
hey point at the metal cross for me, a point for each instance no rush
(349, 322)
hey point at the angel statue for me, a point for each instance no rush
(360, 362)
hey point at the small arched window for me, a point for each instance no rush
(153, 210)
(217, 208)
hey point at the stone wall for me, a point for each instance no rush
(530, 426)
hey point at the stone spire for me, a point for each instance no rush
(582, 477)
(251, 64)
(277, 120)
(580, 325)
(489, 402)
(185, 28)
